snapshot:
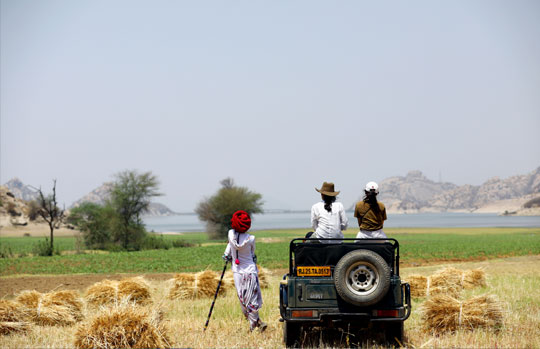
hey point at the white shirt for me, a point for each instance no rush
(328, 224)
(245, 245)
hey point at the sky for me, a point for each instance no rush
(278, 95)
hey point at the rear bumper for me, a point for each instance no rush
(334, 314)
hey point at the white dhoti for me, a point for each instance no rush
(249, 294)
(368, 234)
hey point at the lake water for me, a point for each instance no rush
(190, 223)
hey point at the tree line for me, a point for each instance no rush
(117, 224)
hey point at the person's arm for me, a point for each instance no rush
(357, 215)
(344, 219)
(314, 218)
(384, 213)
(227, 254)
(253, 255)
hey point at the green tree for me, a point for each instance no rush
(96, 223)
(130, 197)
(218, 209)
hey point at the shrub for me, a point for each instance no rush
(96, 223)
(33, 210)
(153, 242)
(182, 243)
(217, 210)
(43, 248)
(6, 252)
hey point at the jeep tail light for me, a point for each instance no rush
(305, 313)
(386, 313)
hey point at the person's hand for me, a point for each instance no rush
(226, 258)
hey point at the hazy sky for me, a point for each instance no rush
(279, 95)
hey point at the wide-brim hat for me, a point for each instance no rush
(327, 188)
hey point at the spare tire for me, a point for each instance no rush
(362, 277)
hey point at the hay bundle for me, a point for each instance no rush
(263, 276)
(13, 327)
(418, 285)
(473, 278)
(207, 282)
(69, 299)
(135, 289)
(123, 326)
(52, 309)
(443, 313)
(103, 292)
(422, 286)
(30, 299)
(198, 285)
(11, 311)
(447, 277)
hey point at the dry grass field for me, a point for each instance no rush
(515, 281)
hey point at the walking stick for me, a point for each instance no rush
(215, 296)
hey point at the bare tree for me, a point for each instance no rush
(50, 212)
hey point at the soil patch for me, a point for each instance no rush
(10, 286)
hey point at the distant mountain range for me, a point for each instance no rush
(416, 193)
(412, 193)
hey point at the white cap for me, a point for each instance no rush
(372, 186)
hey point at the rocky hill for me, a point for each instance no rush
(416, 193)
(413, 192)
(101, 194)
(13, 211)
(20, 190)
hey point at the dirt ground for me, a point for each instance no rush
(12, 285)
(35, 229)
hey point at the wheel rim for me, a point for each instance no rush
(362, 278)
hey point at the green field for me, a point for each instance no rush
(418, 247)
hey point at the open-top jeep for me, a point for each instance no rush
(349, 284)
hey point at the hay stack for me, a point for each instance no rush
(450, 281)
(104, 292)
(135, 289)
(443, 313)
(123, 326)
(68, 298)
(447, 277)
(29, 299)
(12, 317)
(198, 285)
(207, 282)
(54, 308)
(422, 286)
(263, 276)
(13, 327)
(474, 278)
(418, 285)
(11, 311)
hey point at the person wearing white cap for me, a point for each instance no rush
(371, 214)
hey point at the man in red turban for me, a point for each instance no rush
(245, 272)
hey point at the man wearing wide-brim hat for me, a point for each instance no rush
(328, 218)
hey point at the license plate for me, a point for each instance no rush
(313, 271)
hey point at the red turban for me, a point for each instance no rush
(240, 221)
